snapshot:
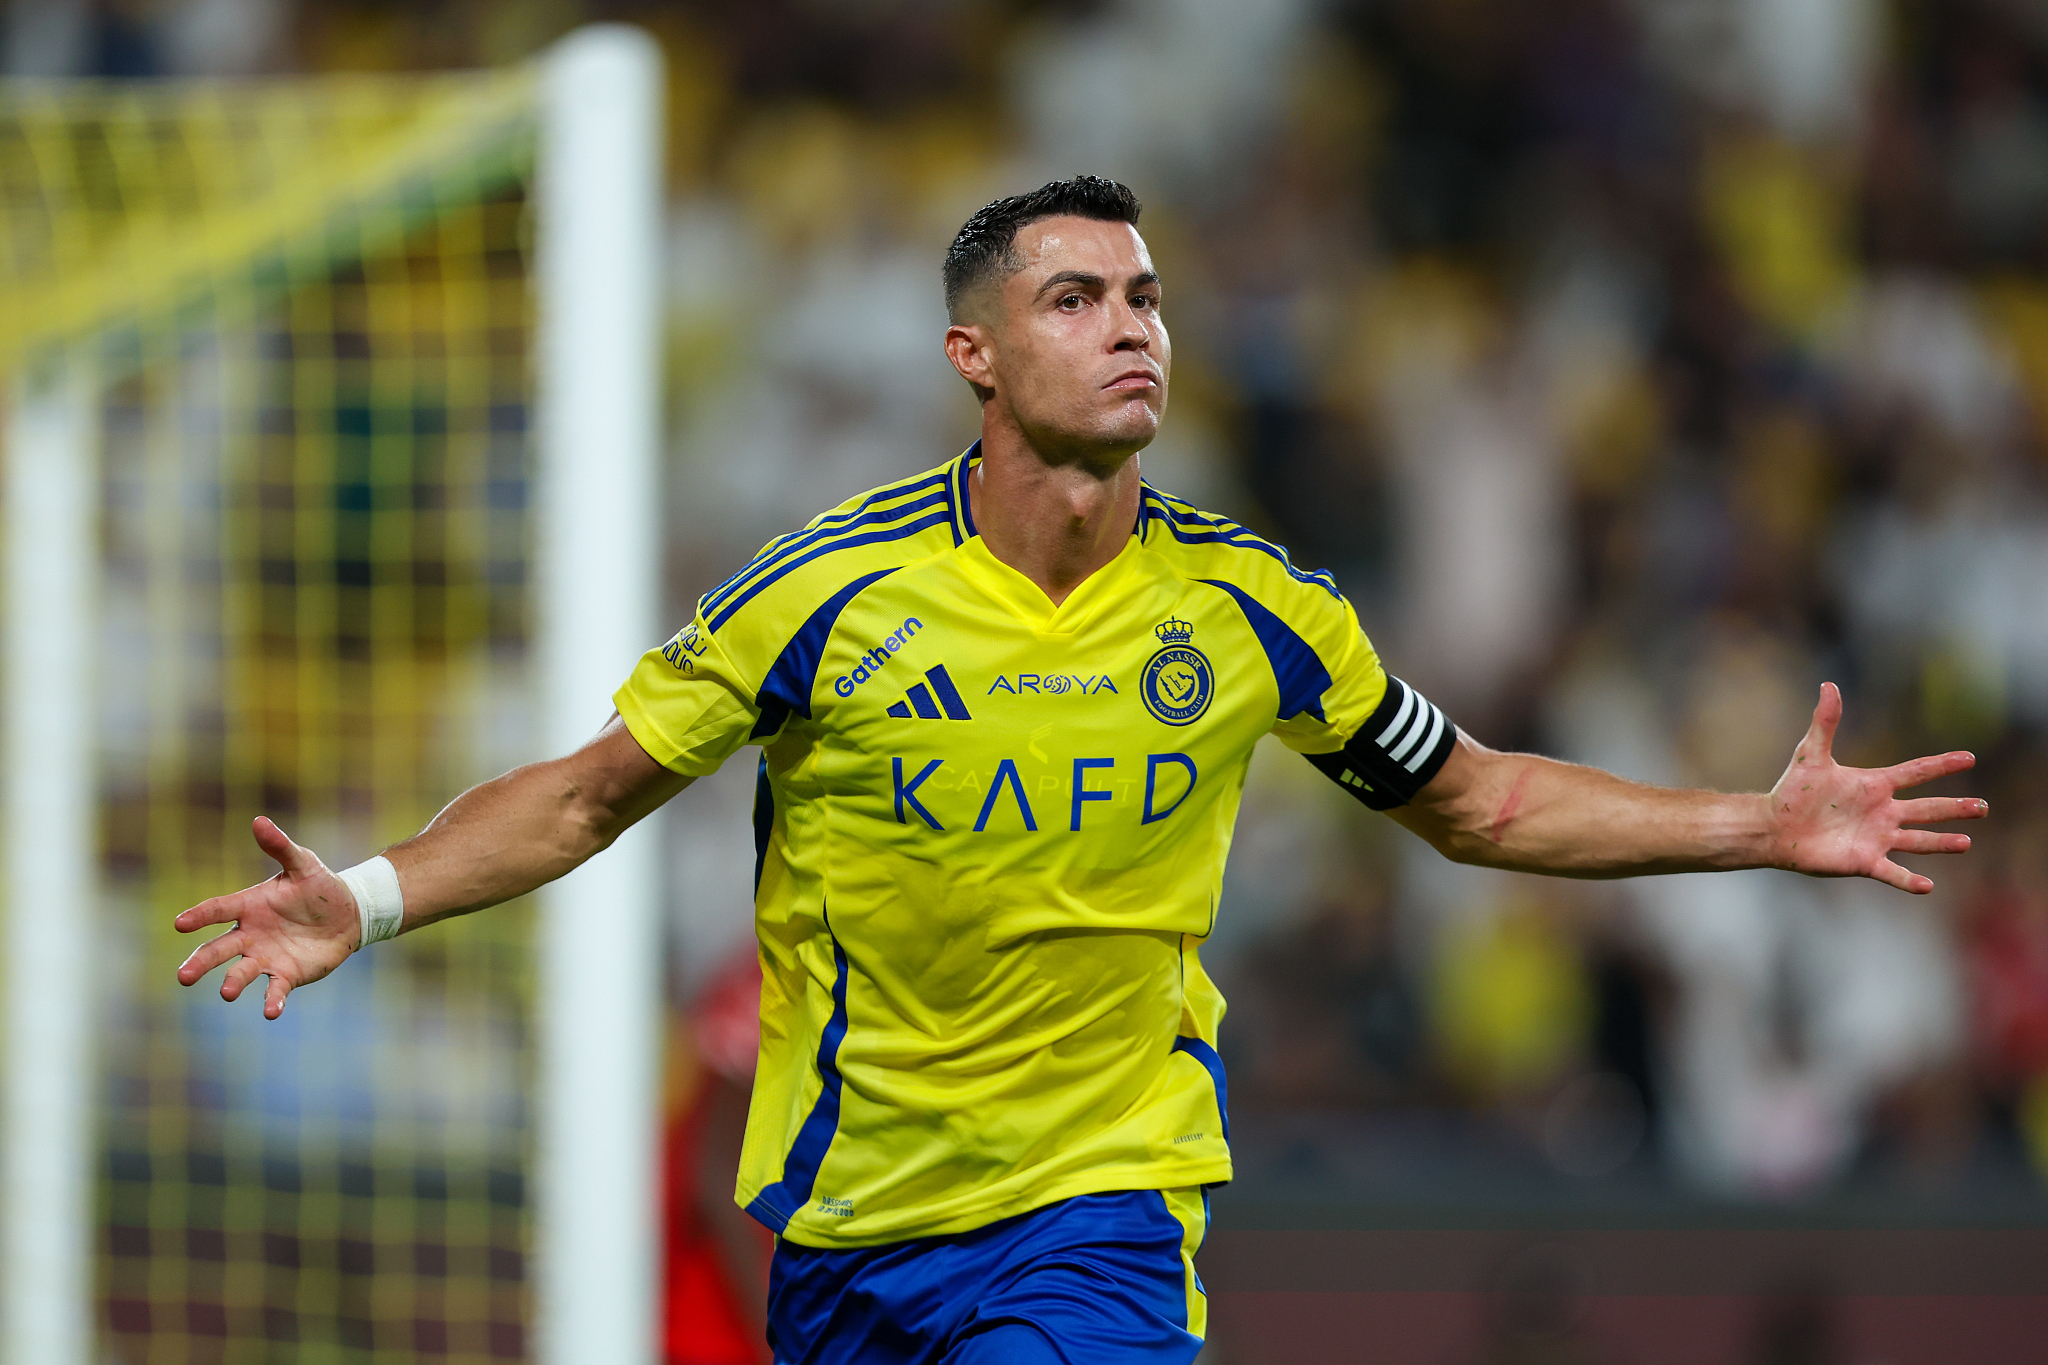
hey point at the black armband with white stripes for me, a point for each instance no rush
(1395, 753)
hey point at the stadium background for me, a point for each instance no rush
(1635, 364)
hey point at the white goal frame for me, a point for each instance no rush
(598, 203)
(599, 562)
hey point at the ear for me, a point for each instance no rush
(968, 346)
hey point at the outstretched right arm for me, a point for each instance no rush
(498, 840)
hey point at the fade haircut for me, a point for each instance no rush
(985, 247)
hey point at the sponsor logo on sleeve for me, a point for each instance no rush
(687, 646)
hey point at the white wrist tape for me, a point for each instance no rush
(379, 902)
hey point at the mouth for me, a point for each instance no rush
(1133, 381)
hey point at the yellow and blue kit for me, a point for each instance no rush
(990, 837)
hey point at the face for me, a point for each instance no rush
(1072, 349)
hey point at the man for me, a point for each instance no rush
(1006, 708)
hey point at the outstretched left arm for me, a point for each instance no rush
(1531, 814)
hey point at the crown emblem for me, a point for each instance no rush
(1174, 632)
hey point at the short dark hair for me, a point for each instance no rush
(985, 244)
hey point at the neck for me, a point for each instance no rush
(1054, 520)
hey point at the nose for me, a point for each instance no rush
(1131, 334)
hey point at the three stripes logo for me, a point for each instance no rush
(1412, 735)
(926, 702)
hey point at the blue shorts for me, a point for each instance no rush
(1098, 1278)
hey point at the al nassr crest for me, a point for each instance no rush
(1178, 681)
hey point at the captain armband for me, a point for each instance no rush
(1395, 753)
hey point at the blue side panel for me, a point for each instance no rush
(779, 1203)
(1206, 1055)
(787, 688)
(792, 564)
(1301, 674)
(774, 715)
(764, 819)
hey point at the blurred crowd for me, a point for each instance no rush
(1634, 364)
(1677, 357)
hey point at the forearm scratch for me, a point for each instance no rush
(1497, 831)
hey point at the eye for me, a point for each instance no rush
(1145, 301)
(1071, 302)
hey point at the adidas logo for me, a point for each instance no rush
(924, 702)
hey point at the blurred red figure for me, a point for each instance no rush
(2008, 956)
(2006, 947)
(715, 1271)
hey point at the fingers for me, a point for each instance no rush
(216, 951)
(296, 861)
(1933, 810)
(211, 954)
(238, 978)
(1929, 841)
(1891, 874)
(1819, 744)
(1914, 771)
(214, 910)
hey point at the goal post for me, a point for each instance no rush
(599, 202)
(329, 463)
(53, 995)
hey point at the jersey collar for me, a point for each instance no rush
(963, 512)
(956, 490)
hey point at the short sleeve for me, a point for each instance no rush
(688, 704)
(1329, 627)
(1371, 733)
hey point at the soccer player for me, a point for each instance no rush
(1005, 709)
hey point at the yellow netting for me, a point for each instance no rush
(307, 304)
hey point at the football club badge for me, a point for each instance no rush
(1178, 681)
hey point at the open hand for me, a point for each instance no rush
(295, 928)
(1830, 821)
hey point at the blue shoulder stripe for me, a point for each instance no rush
(839, 524)
(768, 552)
(791, 565)
(1191, 528)
(831, 520)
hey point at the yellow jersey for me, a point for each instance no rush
(990, 835)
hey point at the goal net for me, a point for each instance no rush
(282, 336)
